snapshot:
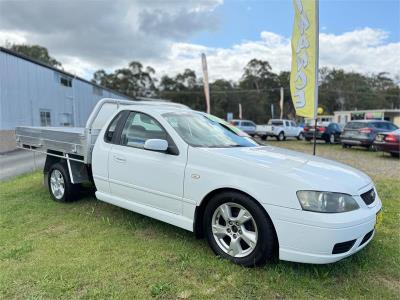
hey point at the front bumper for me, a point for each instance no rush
(309, 237)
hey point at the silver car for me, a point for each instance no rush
(245, 125)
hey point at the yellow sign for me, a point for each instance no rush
(304, 73)
(320, 110)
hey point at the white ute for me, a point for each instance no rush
(280, 129)
(253, 203)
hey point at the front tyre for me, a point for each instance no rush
(59, 183)
(300, 136)
(281, 136)
(238, 230)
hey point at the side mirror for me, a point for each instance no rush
(156, 145)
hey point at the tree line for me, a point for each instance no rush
(257, 90)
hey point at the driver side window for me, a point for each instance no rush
(139, 128)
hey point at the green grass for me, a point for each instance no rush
(89, 249)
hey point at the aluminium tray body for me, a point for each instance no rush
(67, 140)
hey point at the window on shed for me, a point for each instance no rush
(45, 118)
(66, 81)
(97, 91)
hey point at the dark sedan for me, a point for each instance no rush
(363, 132)
(327, 131)
(388, 142)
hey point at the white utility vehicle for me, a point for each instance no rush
(280, 129)
(251, 202)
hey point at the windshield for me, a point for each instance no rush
(201, 131)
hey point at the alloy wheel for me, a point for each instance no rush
(234, 229)
(57, 184)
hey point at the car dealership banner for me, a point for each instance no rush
(304, 73)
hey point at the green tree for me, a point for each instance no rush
(35, 52)
(262, 90)
(135, 80)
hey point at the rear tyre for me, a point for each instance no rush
(264, 137)
(345, 146)
(332, 139)
(393, 154)
(372, 148)
(237, 229)
(308, 139)
(59, 184)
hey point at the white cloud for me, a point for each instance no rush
(105, 35)
(362, 50)
(12, 37)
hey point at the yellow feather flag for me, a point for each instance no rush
(304, 73)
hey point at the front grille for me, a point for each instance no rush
(343, 247)
(366, 237)
(369, 197)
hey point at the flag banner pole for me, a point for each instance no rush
(281, 102)
(305, 56)
(316, 71)
(205, 82)
(315, 136)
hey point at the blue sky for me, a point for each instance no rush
(244, 20)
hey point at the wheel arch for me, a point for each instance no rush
(199, 212)
(50, 161)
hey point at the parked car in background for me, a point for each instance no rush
(363, 132)
(280, 129)
(245, 125)
(388, 142)
(327, 131)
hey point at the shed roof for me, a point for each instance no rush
(34, 61)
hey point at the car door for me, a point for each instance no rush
(246, 127)
(253, 127)
(288, 129)
(241, 126)
(142, 176)
(337, 131)
(293, 129)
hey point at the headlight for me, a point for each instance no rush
(326, 202)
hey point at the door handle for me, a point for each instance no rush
(119, 158)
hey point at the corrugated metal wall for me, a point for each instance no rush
(27, 88)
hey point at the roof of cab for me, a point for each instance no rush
(156, 107)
